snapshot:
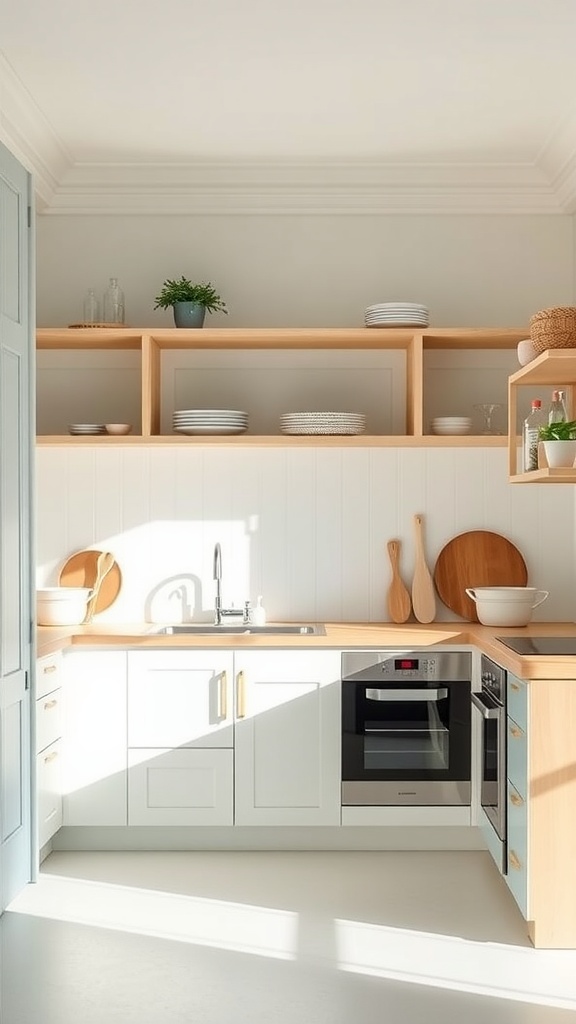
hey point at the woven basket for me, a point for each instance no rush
(553, 328)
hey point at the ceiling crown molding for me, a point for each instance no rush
(336, 188)
(557, 160)
(305, 188)
(28, 135)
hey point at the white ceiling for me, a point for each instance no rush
(310, 104)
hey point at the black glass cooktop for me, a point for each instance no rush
(540, 644)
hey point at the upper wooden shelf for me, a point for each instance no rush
(554, 366)
(281, 337)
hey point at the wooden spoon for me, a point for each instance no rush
(398, 596)
(423, 596)
(103, 566)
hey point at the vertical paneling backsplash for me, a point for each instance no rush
(307, 528)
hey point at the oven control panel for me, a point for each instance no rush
(377, 666)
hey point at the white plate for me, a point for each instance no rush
(322, 430)
(210, 412)
(215, 429)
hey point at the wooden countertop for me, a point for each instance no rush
(341, 635)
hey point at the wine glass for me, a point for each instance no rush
(487, 409)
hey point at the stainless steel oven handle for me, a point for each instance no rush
(396, 694)
(485, 710)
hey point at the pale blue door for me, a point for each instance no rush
(15, 525)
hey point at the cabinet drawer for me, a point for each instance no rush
(517, 697)
(517, 757)
(48, 719)
(517, 877)
(180, 787)
(49, 784)
(48, 674)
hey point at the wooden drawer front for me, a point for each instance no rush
(48, 674)
(517, 877)
(49, 783)
(180, 787)
(48, 719)
(517, 757)
(517, 697)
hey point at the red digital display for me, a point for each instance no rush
(406, 664)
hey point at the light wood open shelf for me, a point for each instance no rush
(552, 368)
(151, 342)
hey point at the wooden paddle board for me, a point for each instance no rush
(478, 558)
(423, 594)
(398, 598)
(81, 570)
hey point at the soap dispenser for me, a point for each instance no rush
(258, 615)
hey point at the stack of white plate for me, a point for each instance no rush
(451, 425)
(209, 421)
(397, 314)
(322, 423)
(86, 428)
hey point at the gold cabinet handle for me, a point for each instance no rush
(51, 757)
(514, 686)
(223, 696)
(514, 860)
(240, 696)
(49, 705)
(516, 799)
(516, 732)
(49, 668)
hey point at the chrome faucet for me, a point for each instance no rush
(220, 612)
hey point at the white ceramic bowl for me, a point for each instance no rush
(506, 606)
(451, 425)
(118, 428)
(61, 606)
(526, 351)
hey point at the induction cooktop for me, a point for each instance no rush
(540, 644)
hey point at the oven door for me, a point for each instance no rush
(405, 743)
(493, 773)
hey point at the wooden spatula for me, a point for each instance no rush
(423, 596)
(103, 566)
(398, 597)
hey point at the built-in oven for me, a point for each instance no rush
(406, 727)
(490, 705)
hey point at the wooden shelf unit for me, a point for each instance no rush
(152, 342)
(555, 366)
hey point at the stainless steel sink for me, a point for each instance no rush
(205, 629)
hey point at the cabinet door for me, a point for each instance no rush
(95, 751)
(287, 742)
(180, 787)
(180, 699)
(48, 719)
(49, 782)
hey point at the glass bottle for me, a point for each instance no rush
(557, 410)
(113, 303)
(531, 426)
(91, 308)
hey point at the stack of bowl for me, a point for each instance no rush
(451, 425)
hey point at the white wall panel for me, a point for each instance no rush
(305, 528)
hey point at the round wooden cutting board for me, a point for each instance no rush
(476, 559)
(80, 571)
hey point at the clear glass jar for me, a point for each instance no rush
(113, 303)
(91, 308)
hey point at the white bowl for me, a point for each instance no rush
(451, 427)
(118, 428)
(506, 606)
(526, 351)
(61, 606)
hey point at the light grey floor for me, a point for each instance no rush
(316, 938)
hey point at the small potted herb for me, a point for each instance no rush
(559, 439)
(189, 301)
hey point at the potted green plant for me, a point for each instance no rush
(559, 441)
(189, 301)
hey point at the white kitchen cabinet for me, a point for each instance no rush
(48, 722)
(94, 763)
(279, 711)
(180, 699)
(517, 791)
(287, 738)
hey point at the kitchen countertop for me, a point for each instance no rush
(341, 635)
